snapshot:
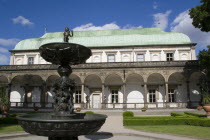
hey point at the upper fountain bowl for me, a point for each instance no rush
(65, 53)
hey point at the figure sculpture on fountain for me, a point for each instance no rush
(67, 34)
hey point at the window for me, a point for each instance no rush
(114, 96)
(30, 60)
(111, 58)
(78, 96)
(169, 56)
(171, 95)
(140, 57)
(152, 96)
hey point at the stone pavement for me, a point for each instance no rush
(112, 130)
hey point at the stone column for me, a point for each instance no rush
(124, 96)
(103, 96)
(145, 94)
(188, 94)
(82, 95)
(166, 96)
(43, 95)
(9, 90)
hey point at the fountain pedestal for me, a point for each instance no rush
(64, 123)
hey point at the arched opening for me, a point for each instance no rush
(114, 90)
(156, 90)
(135, 90)
(27, 89)
(93, 90)
(177, 91)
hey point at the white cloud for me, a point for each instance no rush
(110, 26)
(90, 26)
(183, 23)
(4, 60)
(155, 6)
(9, 42)
(161, 19)
(3, 50)
(22, 20)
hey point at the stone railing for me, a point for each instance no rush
(103, 65)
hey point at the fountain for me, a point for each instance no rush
(63, 123)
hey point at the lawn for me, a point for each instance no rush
(10, 128)
(186, 130)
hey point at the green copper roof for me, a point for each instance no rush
(106, 38)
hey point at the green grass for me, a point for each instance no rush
(10, 128)
(186, 130)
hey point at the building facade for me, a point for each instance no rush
(129, 68)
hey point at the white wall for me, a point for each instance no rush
(180, 53)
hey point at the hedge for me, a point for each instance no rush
(167, 121)
(8, 120)
(194, 114)
(128, 114)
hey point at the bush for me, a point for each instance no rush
(194, 114)
(166, 121)
(175, 114)
(8, 120)
(128, 114)
(179, 120)
(89, 112)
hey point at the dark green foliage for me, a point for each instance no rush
(128, 114)
(201, 16)
(166, 121)
(8, 120)
(89, 112)
(204, 57)
(179, 119)
(174, 114)
(194, 114)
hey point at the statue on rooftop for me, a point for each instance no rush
(66, 34)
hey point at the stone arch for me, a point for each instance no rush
(156, 78)
(135, 89)
(176, 78)
(93, 81)
(113, 82)
(51, 79)
(177, 85)
(26, 88)
(156, 82)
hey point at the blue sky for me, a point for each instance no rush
(22, 19)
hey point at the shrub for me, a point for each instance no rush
(139, 121)
(8, 120)
(175, 114)
(89, 112)
(194, 114)
(166, 121)
(128, 114)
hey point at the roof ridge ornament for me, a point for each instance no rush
(67, 34)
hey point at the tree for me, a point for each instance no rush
(204, 57)
(201, 16)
